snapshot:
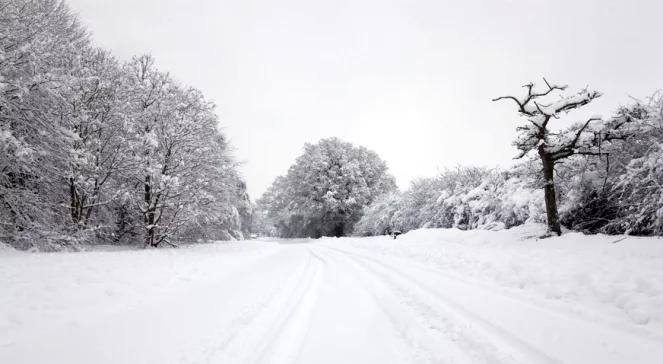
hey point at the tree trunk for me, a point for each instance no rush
(549, 192)
(338, 230)
(75, 203)
(72, 200)
(93, 200)
(149, 214)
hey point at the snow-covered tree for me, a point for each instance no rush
(181, 158)
(40, 41)
(326, 190)
(552, 145)
(97, 100)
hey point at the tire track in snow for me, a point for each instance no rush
(236, 327)
(427, 344)
(228, 340)
(424, 327)
(488, 343)
(283, 341)
(247, 331)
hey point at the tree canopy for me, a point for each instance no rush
(325, 190)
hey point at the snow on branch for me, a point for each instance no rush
(539, 111)
(524, 103)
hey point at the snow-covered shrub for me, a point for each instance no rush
(621, 191)
(380, 217)
(520, 201)
(640, 191)
(583, 188)
(463, 198)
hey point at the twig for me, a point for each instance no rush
(618, 240)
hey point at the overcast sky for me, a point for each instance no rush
(409, 79)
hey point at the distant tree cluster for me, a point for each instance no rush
(464, 198)
(605, 175)
(324, 192)
(93, 150)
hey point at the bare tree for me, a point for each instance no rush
(536, 134)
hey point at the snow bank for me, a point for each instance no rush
(610, 278)
(6, 249)
(132, 306)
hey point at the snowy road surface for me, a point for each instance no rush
(330, 301)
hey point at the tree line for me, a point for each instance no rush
(598, 175)
(94, 150)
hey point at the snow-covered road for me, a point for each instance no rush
(331, 301)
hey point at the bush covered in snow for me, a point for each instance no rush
(464, 198)
(621, 192)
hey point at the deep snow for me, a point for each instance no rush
(431, 296)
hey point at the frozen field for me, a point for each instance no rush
(432, 296)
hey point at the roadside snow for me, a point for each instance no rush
(614, 278)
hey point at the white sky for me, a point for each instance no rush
(411, 80)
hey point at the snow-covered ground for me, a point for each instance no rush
(431, 296)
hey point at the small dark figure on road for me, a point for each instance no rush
(395, 233)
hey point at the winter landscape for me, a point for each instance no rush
(348, 182)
